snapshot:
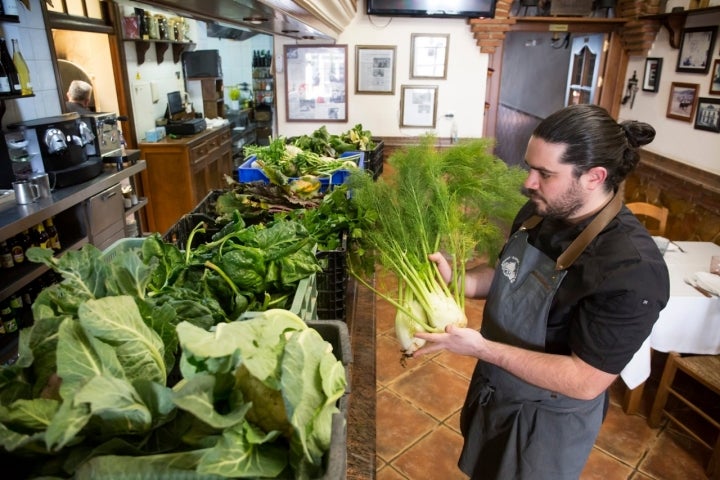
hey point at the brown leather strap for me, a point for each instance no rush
(586, 236)
(591, 231)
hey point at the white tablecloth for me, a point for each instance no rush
(690, 323)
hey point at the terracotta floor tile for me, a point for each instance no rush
(462, 364)
(435, 389)
(399, 424)
(433, 457)
(625, 437)
(385, 320)
(601, 466)
(675, 457)
(389, 473)
(388, 365)
(454, 421)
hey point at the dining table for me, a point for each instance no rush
(689, 323)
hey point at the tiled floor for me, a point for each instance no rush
(417, 421)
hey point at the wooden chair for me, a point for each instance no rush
(704, 370)
(656, 214)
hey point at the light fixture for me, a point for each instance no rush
(255, 20)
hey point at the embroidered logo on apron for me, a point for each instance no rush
(510, 268)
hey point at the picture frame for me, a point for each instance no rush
(708, 114)
(715, 79)
(682, 101)
(696, 48)
(429, 55)
(375, 69)
(651, 78)
(316, 83)
(418, 106)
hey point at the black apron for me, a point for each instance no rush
(512, 429)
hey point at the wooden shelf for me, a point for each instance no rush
(569, 24)
(161, 46)
(675, 21)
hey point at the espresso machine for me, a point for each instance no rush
(63, 143)
(103, 139)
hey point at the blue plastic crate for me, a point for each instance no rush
(247, 173)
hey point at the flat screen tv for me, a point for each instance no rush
(202, 63)
(432, 8)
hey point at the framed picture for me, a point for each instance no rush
(651, 80)
(708, 114)
(429, 55)
(681, 104)
(316, 83)
(418, 105)
(715, 79)
(696, 47)
(375, 69)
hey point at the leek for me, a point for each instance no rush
(459, 201)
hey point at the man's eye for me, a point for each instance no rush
(544, 175)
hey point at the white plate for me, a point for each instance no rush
(708, 281)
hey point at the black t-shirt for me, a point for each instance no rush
(611, 296)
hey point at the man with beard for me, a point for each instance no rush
(576, 291)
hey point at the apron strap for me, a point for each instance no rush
(591, 231)
(578, 245)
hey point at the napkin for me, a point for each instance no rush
(708, 281)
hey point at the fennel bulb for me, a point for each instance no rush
(458, 200)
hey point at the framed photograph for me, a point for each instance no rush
(681, 104)
(418, 105)
(715, 79)
(651, 80)
(316, 83)
(429, 55)
(708, 114)
(696, 47)
(375, 69)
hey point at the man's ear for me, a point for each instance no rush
(595, 177)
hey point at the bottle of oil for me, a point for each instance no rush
(22, 69)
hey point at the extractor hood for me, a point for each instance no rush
(301, 19)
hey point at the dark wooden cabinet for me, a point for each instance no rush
(180, 172)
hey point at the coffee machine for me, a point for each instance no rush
(62, 141)
(104, 138)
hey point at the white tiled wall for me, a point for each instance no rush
(32, 36)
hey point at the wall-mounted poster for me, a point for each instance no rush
(375, 69)
(316, 83)
(418, 104)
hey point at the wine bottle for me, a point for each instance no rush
(40, 237)
(6, 258)
(4, 81)
(13, 77)
(22, 69)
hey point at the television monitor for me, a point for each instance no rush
(432, 8)
(202, 64)
(175, 104)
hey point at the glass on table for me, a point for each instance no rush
(715, 264)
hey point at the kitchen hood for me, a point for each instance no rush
(301, 19)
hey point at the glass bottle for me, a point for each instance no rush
(52, 232)
(8, 319)
(22, 69)
(6, 258)
(4, 81)
(21, 242)
(40, 237)
(7, 62)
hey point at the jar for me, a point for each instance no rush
(162, 26)
(153, 28)
(171, 30)
(145, 30)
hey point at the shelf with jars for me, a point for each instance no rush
(146, 28)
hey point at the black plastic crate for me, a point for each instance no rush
(207, 204)
(374, 158)
(332, 282)
(179, 233)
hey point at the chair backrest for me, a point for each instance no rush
(657, 214)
